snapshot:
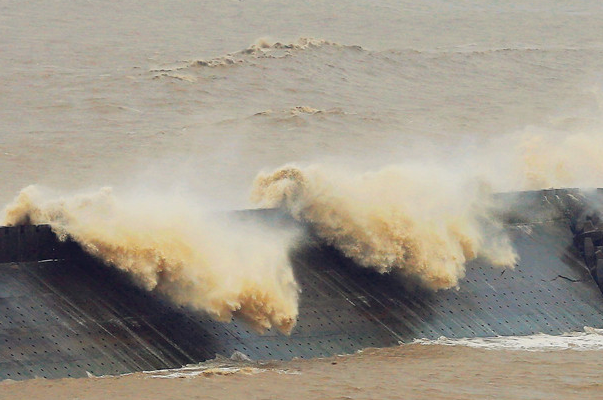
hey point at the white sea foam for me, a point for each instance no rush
(590, 339)
(238, 363)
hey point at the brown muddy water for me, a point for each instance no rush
(390, 114)
(410, 372)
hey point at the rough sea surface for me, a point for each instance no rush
(198, 97)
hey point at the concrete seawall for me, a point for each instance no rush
(63, 313)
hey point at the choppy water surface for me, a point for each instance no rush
(96, 93)
(199, 97)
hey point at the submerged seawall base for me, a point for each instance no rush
(63, 313)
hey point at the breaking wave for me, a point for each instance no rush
(209, 263)
(264, 48)
(261, 49)
(418, 221)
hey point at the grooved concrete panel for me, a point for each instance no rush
(66, 317)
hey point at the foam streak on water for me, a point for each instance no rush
(590, 339)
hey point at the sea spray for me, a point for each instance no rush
(423, 222)
(170, 245)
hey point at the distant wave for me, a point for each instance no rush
(261, 49)
(299, 110)
(264, 50)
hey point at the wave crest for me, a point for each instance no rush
(415, 221)
(208, 263)
(261, 49)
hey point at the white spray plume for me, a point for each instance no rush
(419, 220)
(170, 245)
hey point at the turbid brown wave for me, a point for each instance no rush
(419, 221)
(169, 245)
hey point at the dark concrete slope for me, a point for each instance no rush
(63, 313)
